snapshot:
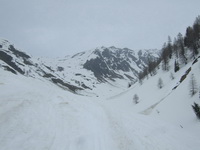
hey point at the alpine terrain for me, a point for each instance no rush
(106, 98)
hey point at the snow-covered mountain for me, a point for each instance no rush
(37, 113)
(18, 62)
(110, 63)
(84, 70)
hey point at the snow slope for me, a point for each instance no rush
(169, 104)
(38, 115)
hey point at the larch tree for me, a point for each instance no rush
(193, 85)
(160, 83)
(135, 99)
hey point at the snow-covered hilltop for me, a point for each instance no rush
(84, 102)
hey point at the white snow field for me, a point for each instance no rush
(38, 115)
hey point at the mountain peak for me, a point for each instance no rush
(4, 44)
(111, 62)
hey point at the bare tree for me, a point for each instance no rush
(165, 58)
(172, 76)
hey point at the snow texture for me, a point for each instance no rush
(35, 114)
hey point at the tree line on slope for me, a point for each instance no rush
(182, 50)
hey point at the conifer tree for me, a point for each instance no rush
(175, 48)
(196, 109)
(180, 44)
(193, 85)
(176, 66)
(169, 47)
(136, 99)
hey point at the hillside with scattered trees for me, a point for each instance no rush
(181, 50)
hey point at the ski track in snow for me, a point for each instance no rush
(119, 136)
(152, 107)
(62, 127)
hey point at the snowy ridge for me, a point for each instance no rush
(20, 63)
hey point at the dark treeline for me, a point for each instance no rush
(181, 49)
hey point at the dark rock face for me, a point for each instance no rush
(110, 61)
(64, 85)
(18, 53)
(8, 60)
(100, 69)
(18, 62)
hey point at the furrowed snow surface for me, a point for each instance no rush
(38, 115)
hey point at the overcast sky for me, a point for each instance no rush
(55, 28)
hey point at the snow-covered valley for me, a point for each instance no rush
(36, 114)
